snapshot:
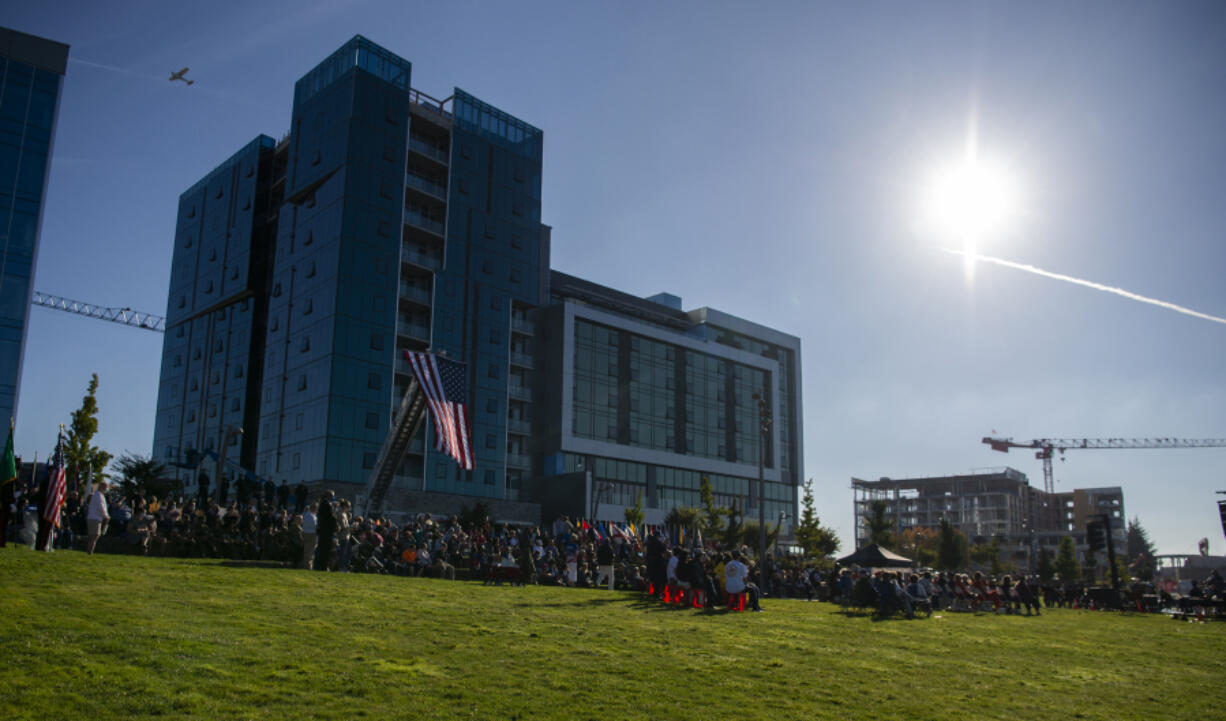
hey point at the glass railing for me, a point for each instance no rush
(521, 325)
(428, 150)
(521, 359)
(426, 186)
(412, 330)
(412, 292)
(518, 425)
(414, 254)
(416, 218)
(522, 393)
(518, 461)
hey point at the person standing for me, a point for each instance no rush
(282, 495)
(202, 482)
(604, 563)
(300, 497)
(309, 539)
(97, 517)
(325, 531)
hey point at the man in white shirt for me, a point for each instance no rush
(735, 574)
(309, 539)
(97, 517)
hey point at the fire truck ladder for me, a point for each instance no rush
(408, 421)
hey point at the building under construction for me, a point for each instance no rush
(995, 503)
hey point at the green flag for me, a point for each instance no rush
(8, 464)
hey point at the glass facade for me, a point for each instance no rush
(216, 311)
(31, 71)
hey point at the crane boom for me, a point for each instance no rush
(1046, 448)
(123, 316)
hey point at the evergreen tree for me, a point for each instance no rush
(84, 459)
(634, 514)
(1066, 565)
(1045, 567)
(818, 542)
(880, 526)
(951, 548)
(713, 519)
(1139, 552)
(139, 473)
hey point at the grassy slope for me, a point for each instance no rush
(123, 637)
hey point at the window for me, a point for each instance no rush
(489, 477)
(515, 275)
(495, 336)
(219, 347)
(381, 266)
(315, 160)
(213, 254)
(495, 302)
(308, 306)
(385, 191)
(306, 344)
(491, 405)
(220, 192)
(178, 361)
(297, 461)
(517, 208)
(188, 243)
(216, 377)
(376, 341)
(517, 240)
(238, 371)
(182, 302)
(519, 174)
(310, 238)
(235, 405)
(212, 411)
(489, 231)
(298, 422)
(310, 271)
(234, 272)
(493, 371)
(374, 381)
(275, 325)
(247, 203)
(276, 290)
(490, 441)
(372, 419)
(462, 184)
(179, 331)
(191, 416)
(487, 266)
(302, 384)
(368, 460)
(384, 229)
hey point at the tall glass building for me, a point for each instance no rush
(31, 72)
(386, 220)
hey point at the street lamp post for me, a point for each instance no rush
(764, 426)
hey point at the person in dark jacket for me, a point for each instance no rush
(604, 563)
(657, 574)
(282, 495)
(325, 531)
(300, 498)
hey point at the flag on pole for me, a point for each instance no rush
(8, 463)
(442, 381)
(57, 485)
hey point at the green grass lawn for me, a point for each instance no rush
(121, 637)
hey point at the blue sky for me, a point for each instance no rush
(764, 160)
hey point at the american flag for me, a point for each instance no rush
(446, 389)
(57, 485)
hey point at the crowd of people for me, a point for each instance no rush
(279, 525)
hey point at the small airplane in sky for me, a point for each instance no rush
(179, 76)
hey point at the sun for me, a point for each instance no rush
(971, 200)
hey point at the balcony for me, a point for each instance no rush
(523, 360)
(521, 325)
(429, 187)
(418, 256)
(415, 294)
(411, 329)
(417, 219)
(519, 392)
(514, 460)
(422, 147)
(519, 425)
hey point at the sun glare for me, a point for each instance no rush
(970, 201)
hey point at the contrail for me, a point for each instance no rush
(1086, 283)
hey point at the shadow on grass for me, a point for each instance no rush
(252, 564)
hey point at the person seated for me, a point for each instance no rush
(918, 594)
(735, 575)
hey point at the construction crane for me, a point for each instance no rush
(1046, 448)
(123, 316)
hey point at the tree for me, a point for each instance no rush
(988, 554)
(920, 545)
(634, 514)
(817, 541)
(951, 547)
(750, 536)
(83, 458)
(880, 526)
(138, 473)
(1140, 552)
(713, 520)
(684, 517)
(1045, 567)
(1066, 564)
